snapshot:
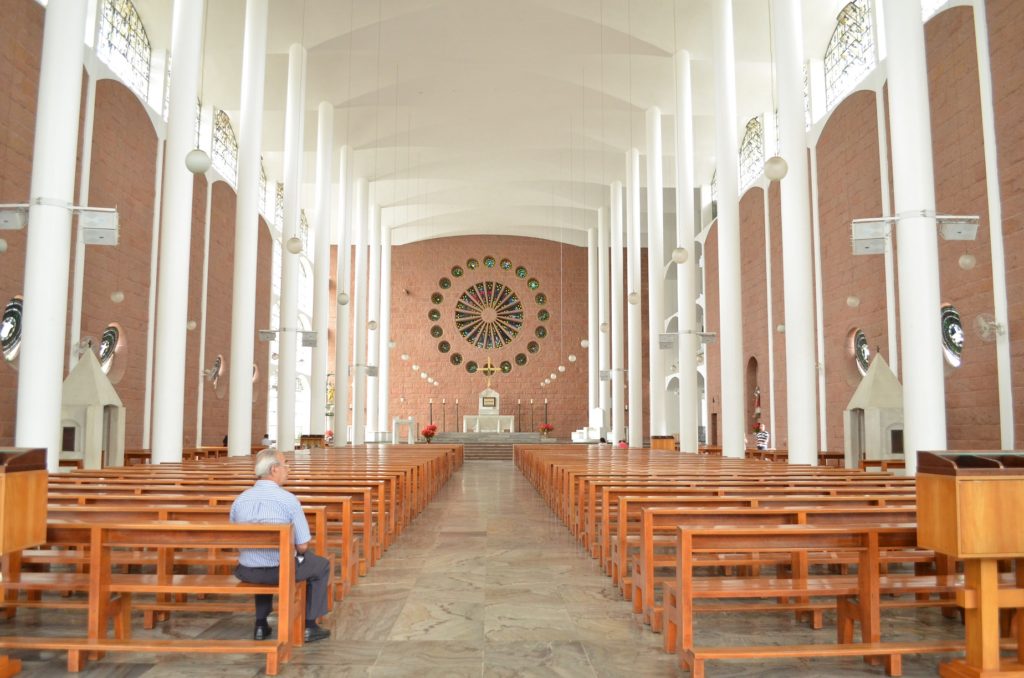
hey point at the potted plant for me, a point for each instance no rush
(545, 429)
(429, 431)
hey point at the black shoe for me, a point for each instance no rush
(262, 632)
(315, 633)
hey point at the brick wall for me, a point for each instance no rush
(753, 282)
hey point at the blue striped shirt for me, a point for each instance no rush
(268, 502)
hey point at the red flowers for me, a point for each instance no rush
(429, 431)
(546, 428)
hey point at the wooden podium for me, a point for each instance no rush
(22, 511)
(969, 506)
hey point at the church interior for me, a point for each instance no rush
(573, 319)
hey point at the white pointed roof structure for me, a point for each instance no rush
(88, 385)
(878, 389)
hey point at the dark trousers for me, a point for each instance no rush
(314, 570)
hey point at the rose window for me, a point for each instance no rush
(488, 315)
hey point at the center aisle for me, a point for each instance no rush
(485, 582)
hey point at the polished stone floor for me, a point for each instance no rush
(487, 582)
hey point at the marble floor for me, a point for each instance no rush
(487, 582)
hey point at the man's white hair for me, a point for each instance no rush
(266, 460)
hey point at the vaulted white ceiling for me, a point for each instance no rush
(491, 116)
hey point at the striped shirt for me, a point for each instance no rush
(761, 439)
(267, 502)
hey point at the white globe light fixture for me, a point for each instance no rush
(633, 298)
(405, 356)
(775, 168)
(3, 245)
(572, 358)
(781, 329)
(604, 328)
(680, 255)
(117, 297)
(584, 343)
(293, 245)
(197, 161)
(561, 368)
(423, 375)
(190, 325)
(967, 261)
(415, 368)
(372, 325)
(553, 376)
(342, 299)
(853, 301)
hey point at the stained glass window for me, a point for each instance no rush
(861, 352)
(851, 51)
(807, 97)
(124, 45)
(752, 152)
(279, 206)
(263, 186)
(952, 335)
(303, 230)
(225, 147)
(488, 315)
(10, 329)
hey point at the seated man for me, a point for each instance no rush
(268, 502)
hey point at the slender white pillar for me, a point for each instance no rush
(321, 267)
(797, 274)
(995, 225)
(287, 338)
(924, 388)
(247, 225)
(359, 218)
(48, 246)
(617, 324)
(154, 254)
(176, 235)
(655, 273)
(344, 306)
(686, 273)
(730, 314)
(78, 271)
(603, 347)
(634, 295)
(890, 255)
(592, 313)
(203, 300)
(372, 314)
(384, 356)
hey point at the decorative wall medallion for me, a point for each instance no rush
(472, 264)
(543, 315)
(489, 261)
(506, 367)
(457, 271)
(533, 347)
(952, 335)
(434, 315)
(444, 283)
(437, 298)
(436, 332)
(456, 359)
(520, 359)
(861, 352)
(506, 264)
(521, 272)
(10, 329)
(471, 367)
(541, 298)
(444, 347)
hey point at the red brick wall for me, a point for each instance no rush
(261, 350)
(780, 436)
(754, 284)
(712, 352)
(218, 310)
(195, 282)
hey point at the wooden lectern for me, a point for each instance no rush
(22, 511)
(969, 506)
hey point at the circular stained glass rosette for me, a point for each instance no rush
(108, 342)
(521, 272)
(541, 331)
(489, 261)
(471, 367)
(533, 283)
(434, 314)
(541, 298)
(437, 298)
(533, 347)
(444, 283)
(520, 359)
(506, 265)
(436, 332)
(952, 336)
(456, 359)
(488, 315)
(10, 329)
(506, 367)
(861, 351)
(444, 347)
(457, 271)
(543, 315)
(472, 264)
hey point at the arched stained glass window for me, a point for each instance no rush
(807, 97)
(752, 152)
(279, 206)
(714, 186)
(225, 147)
(124, 45)
(263, 186)
(851, 51)
(303, 230)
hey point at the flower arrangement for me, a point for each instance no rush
(546, 428)
(429, 431)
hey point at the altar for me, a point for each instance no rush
(488, 418)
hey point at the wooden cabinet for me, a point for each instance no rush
(22, 498)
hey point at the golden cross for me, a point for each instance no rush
(488, 370)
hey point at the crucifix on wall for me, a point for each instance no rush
(488, 370)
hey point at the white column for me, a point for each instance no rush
(341, 325)
(634, 295)
(176, 236)
(686, 283)
(293, 146)
(917, 252)
(384, 356)
(321, 267)
(359, 217)
(592, 313)
(247, 225)
(655, 273)
(48, 245)
(603, 346)
(617, 324)
(797, 274)
(372, 313)
(995, 225)
(730, 315)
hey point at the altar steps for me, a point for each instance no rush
(490, 446)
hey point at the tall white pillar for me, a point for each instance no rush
(48, 245)
(655, 273)
(686, 273)
(321, 267)
(592, 314)
(247, 224)
(617, 324)
(175, 235)
(917, 252)
(372, 314)
(358, 295)
(634, 295)
(384, 357)
(344, 305)
(287, 344)
(797, 274)
(730, 315)
(603, 348)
